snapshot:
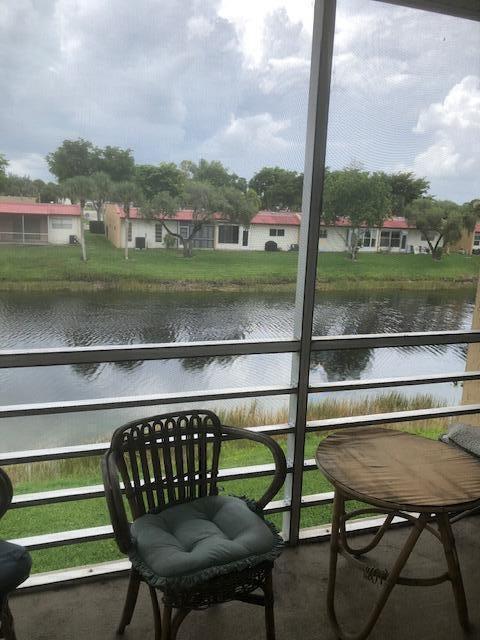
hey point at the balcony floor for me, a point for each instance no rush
(92, 610)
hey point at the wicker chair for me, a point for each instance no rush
(15, 564)
(197, 547)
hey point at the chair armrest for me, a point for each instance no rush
(6, 492)
(116, 507)
(278, 458)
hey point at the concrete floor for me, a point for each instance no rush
(90, 611)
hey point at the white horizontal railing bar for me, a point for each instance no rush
(317, 499)
(75, 574)
(99, 404)
(383, 340)
(63, 538)
(380, 383)
(11, 358)
(98, 449)
(105, 569)
(90, 534)
(392, 417)
(42, 498)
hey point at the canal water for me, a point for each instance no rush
(76, 319)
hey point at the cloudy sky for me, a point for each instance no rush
(228, 80)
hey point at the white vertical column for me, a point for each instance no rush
(319, 94)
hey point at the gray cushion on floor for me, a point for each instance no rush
(187, 544)
(464, 436)
(15, 564)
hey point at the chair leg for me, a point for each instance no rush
(7, 630)
(157, 619)
(167, 624)
(269, 615)
(131, 599)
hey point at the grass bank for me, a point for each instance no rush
(93, 512)
(56, 268)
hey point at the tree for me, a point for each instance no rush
(163, 178)
(440, 220)
(127, 193)
(74, 158)
(405, 189)
(278, 188)
(118, 164)
(102, 189)
(3, 170)
(24, 186)
(48, 191)
(363, 198)
(79, 189)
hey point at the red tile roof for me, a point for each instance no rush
(477, 227)
(289, 218)
(281, 219)
(38, 209)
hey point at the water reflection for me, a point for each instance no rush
(62, 319)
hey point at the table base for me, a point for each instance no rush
(389, 578)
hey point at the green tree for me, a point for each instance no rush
(278, 188)
(102, 189)
(3, 170)
(24, 186)
(364, 199)
(405, 189)
(74, 158)
(440, 220)
(128, 194)
(118, 164)
(165, 177)
(48, 191)
(79, 189)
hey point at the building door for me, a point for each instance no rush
(245, 238)
(404, 241)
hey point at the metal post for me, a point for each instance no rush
(319, 93)
(23, 229)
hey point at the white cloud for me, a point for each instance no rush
(454, 125)
(31, 164)
(260, 133)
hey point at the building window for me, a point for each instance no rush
(390, 239)
(368, 239)
(129, 238)
(277, 232)
(476, 240)
(323, 233)
(184, 231)
(61, 223)
(158, 231)
(228, 234)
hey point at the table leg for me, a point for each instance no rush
(454, 572)
(391, 581)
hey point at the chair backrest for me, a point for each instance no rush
(6, 492)
(168, 459)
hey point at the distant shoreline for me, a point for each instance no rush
(230, 286)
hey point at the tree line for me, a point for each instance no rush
(87, 172)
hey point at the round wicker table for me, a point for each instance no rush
(399, 475)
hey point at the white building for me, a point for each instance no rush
(38, 223)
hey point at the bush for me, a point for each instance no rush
(169, 241)
(97, 226)
(270, 245)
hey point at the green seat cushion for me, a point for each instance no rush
(188, 544)
(15, 564)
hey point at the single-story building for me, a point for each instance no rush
(281, 228)
(396, 235)
(39, 223)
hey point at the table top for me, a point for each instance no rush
(399, 470)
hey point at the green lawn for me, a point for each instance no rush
(62, 265)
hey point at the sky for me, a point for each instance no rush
(228, 80)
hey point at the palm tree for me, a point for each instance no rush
(127, 192)
(79, 189)
(102, 190)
